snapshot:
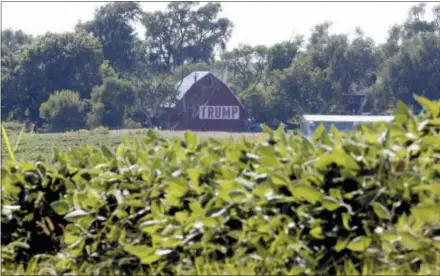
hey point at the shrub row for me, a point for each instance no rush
(98, 130)
(366, 201)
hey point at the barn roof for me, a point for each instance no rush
(187, 82)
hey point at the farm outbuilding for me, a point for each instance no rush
(205, 103)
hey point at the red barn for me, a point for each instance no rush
(205, 103)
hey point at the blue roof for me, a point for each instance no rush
(347, 118)
(184, 85)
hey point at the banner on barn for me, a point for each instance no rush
(213, 112)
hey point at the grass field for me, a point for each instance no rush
(33, 147)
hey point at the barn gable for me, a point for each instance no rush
(205, 103)
(186, 83)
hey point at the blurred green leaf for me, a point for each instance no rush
(317, 233)
(428, 105)
(107, 152)
(194, 174)
(307, 192)
(61, 207)
(341, 244)
(177, 189)
(381, 211)
(150, 226)
(147, 255)
(433, 188)
(426, 214)
(320, 130)
(181, 216)
(76, 215)
(70, 239)
(191, 140)
(346, 221)
(329, 203)
(360, 243)
(409, 242)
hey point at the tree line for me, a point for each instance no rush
(102, 73)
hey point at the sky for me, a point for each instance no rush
(255, 23)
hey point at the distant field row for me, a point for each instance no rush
(39, 146)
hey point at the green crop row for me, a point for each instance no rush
(366, 201)
(39, 147)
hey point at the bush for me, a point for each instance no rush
(131, 124)
(98, 130)
(101, 130)
(112, 100)
(362, 202)
(79, 131)
(63, 110)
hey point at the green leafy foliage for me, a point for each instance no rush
(112, 101)
(64, 110)
(276, 205)
(53, 62)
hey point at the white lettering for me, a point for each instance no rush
(235, 111)
(211, 112)
(218, 112)
(202, 111)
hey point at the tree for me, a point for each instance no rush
(246, 66)
(414, 69)
(415, 23)
(282, 54)
(113, 100)
(12, 43)
(259, 105)
(113, 26)
(53, 62)
(185, 34)
(303, 88)
(363, 60)
(152, 95)
(391, 46)
(412, 60)
(64, 110)
(351, 65)
(328, 52)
